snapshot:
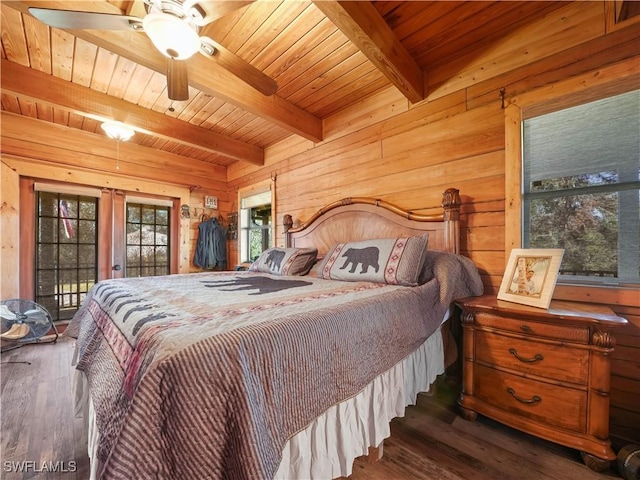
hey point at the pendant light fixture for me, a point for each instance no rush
(120, 133)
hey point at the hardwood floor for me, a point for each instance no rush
(40, 433)
(37, 425)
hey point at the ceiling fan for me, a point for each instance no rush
(173, 26)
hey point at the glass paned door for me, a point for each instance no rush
(147, 240)
(66, 264)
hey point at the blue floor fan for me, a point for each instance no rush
(23, 322)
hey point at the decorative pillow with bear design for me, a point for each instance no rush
(396, 261)
(285, 261)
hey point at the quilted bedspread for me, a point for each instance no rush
(208, 375)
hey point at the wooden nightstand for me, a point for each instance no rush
(542, 371)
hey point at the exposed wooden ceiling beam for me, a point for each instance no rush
(50, 90)
(205, 74)
(363, 25)
(136, 8)
(627, 9)
(216, 9)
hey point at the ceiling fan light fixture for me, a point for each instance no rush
(118, 131)
(173, 36)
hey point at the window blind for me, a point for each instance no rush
(576, 141)
(67, 189)
(158, 202)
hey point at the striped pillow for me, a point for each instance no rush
(285, 261)
(396, 261)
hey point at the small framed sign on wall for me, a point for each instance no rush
(210, 202)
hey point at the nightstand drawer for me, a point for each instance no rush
(559, 332)
(549, 404)
(558, 362)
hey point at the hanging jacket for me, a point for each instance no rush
(211, 247)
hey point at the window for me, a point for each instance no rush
(66, 251)
(581, 184)
(255, 225)
(147, 240)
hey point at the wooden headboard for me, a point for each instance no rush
(364, 218)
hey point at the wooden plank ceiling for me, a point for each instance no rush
(324, 56)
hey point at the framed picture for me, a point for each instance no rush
(210, 202)
(531, 276)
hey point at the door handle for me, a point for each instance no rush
(117, 268)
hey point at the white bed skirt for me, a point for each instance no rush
(327, 448)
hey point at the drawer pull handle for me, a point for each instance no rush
(525, 328)
(537, 357)
(535, 398)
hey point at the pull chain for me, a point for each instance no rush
(117, 154)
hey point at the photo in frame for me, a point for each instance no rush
(530, 276)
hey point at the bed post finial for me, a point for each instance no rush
(451, 205)
(287, 222)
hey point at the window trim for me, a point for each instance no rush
(595, 85)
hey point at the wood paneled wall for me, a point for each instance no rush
(408, 154)
(9, 222)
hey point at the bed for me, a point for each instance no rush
(289, 370)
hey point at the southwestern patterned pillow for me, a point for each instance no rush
(396, 261)
(285, 261)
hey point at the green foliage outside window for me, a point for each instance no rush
(586, 225)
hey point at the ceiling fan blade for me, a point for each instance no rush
(71, 19)
(241, 68)
(177, 80)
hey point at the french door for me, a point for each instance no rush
(147, 239)
(66, 251)
(81, 235)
